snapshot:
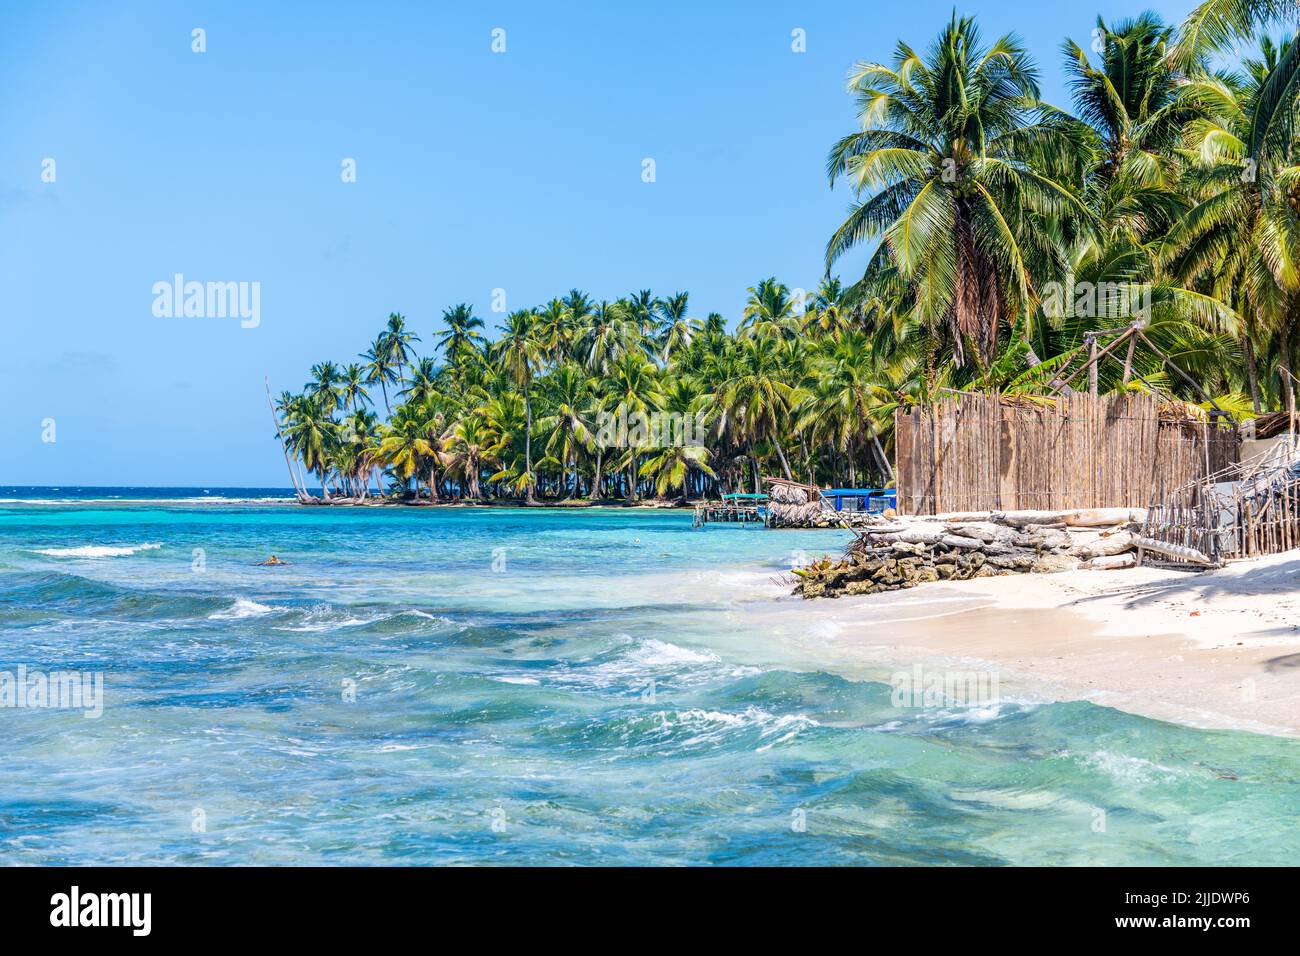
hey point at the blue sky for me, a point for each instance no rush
(475, 171)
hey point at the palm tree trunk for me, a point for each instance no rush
(1252, 371)
(1284, 365)
(300, 493)
(596, 480)
(785, 465)
(881, 457)
(528, 446)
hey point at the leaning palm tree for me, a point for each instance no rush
(952, 156)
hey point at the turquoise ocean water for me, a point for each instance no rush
(534, 686)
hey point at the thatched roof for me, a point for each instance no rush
(785, 491)
(1272, 424)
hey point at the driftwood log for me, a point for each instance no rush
(903, 552)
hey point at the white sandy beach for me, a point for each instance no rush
(1218, 649)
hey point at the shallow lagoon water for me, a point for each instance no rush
(541, 686)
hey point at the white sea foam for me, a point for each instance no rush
(96, 550)
(652, 659)
(1125, 769)
(242, 608)
(712, 726)
(518, 680)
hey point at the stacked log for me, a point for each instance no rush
(905, 552)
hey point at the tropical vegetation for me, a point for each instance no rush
(1001, 234)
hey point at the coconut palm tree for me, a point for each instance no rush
(468, 447)
(404, 446)
(1243, 236)
(670, 468)
(460, 335)
(571, 425)
(325, 386)
(311, 434)
(520, 355)
(949, 157)
(1214, 25)
(758, 398)
(352, 387)
(379, 367)
(632, 393)
(398, 340)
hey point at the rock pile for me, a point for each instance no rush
(904, 552)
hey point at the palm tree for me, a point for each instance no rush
(424, 381)
(1215, 24)
(325, 385)
(379, 367)
(398, 339)
(605, 335)
(311, 434)
(770, 308)
(758, 398)
(1243, 236)
(676, 330)
(461, 335)
(948, 155)
(641, 310)
(468, 447)
(632, 394)
(670, 468)
(572, 422)
(520, 356)
(404, 446)
(353, 387)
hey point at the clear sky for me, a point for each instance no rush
(475, 170)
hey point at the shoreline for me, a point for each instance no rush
(582, 504)
(1214, 650)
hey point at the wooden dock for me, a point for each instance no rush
(735, 512)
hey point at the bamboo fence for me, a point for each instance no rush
(985, 452)
(1239, 511)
